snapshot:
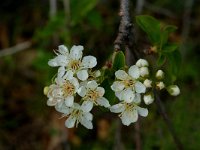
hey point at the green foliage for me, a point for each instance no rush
(151, 26)
(119, 60)
(158, 35)
(79, 9)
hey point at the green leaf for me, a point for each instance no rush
(161, 60)
(109, 94)
(174, 62)
(151, 26)
(80, 9)
(166, 32)
(169, 48)
(119, 61)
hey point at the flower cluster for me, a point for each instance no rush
(75, 89)
(134, 85)
(75, 77)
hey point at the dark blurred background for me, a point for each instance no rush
(31, 29)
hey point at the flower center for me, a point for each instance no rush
(92, 95)
(129, 83)
(75, 64)
(68, 89)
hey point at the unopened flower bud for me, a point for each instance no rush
(46, 90)
(97, 73)
(142, 63)
(160, 85)
(159, 74)
(144, 71)
(148, 98)
(173, 90)
(147, 83)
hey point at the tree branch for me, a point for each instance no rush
(15, 49)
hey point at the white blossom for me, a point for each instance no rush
(173, 90)
(127, 85)
(160, 85)
(77, 114)
(148, 99)
(159, 74)
(147, 83)
(91, 93)
(73, 61)
(144, 71)
(142, 63)
(128, 112)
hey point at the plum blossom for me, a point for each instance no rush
(128, 84)
(128, 112)
(77, 114)
(73, 61)
(91, 93)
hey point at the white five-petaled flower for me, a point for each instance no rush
(129, 111)
(73, 61)
(77, 114)
(62, 91)
(127, 85)
(92, 94)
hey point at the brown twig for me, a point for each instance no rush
(167, 121)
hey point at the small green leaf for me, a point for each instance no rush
(169, 48)
(161, 60)
(151, 26)
(166, 32)
(119, 61)
(174, 62)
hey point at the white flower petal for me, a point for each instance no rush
(92, 85)
(86, 123)
(89, 62)
(69, 75)
(119, 95)
(139, 87)
(137, 98)
(82, 75)
(117, 86)
(142, 111)
(51, 102)
(142, 63)
(144, 71)
(121, 74)
(148, 99)
(103, 102)
(61, 71)
(69, 101)
(53, 62)
(134, 72)
(70, 122)
(117, 108)
(88, 116)
(64, 109)
(129, 117)
(76, 52)
(86, 106)
(74, 81)
(128, 95)
(101, 91)
(62, 60)
(63, 49)
(82, 91)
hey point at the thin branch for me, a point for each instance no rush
(118, 142)
(167, 120)
(15, 49)
(52, 8)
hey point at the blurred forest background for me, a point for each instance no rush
(36, 27)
